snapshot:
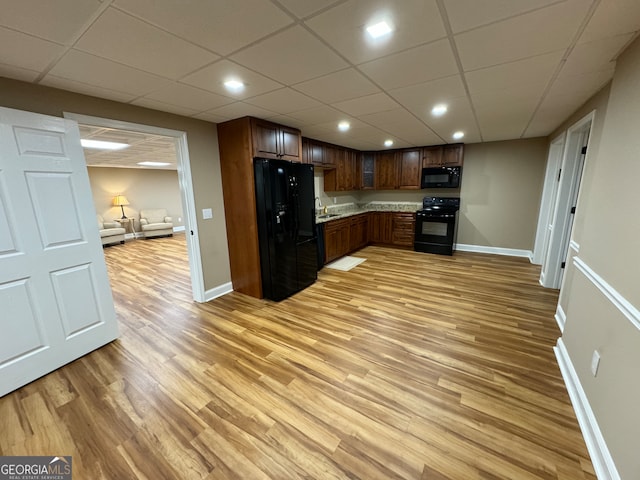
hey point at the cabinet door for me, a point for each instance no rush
(452, 155)
(403, 229)
(386, 174)
(330, 155)
(410, 169)
(265, 139)
(432, 156)
(316, 153)
(366, 175)
(380, 227)
(359, 234)
(349, 171)
(336, 239)
(290, 145)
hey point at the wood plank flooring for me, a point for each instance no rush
(410, 366)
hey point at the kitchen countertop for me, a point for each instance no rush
(337, 212)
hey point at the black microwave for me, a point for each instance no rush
(440, 177)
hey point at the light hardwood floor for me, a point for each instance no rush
(410, 366)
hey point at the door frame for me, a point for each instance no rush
(184, 180)
(549, 197)
(561, 225)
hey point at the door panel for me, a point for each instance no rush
(55, 296)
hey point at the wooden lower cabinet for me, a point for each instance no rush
(402, 230)
(346, 235)
(336, 239)
(358, 231)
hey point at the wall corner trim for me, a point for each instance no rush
(218, 291)
(512, 252)
(600, 457)
(561, 317)
(621, 303)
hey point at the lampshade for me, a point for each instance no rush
(120, 200)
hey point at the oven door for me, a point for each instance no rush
(435, 233)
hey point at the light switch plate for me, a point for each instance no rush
(207, 213)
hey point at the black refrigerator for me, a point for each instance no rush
(285, 208)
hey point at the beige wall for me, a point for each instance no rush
(202, 142)
(501, 188)
(144, 188)
(608, 240)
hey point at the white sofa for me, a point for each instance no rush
(110, 232)
(155, 223)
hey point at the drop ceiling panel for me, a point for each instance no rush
(581, 85)
(33, 54)
(504, 118)
(417, 65)
(283, 101)
(188, 97)
(18, 73)
(122, 38)
(339, 86)
(596, 55)
(212, 78)
(165, 107)
(318, 115)
(304, 8)
(223, 27)
(291, 57)
(468, 14)
(92, 70)
(612, 18)
(531, 70)
(415, 22)
(86, 89)
(378, 102)
(423, 97)
(58, 21)
(241, 109)
(403, 125)
(542, 31)
(459, 117)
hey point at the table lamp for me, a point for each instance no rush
(121, 201)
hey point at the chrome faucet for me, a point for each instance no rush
(320, 206)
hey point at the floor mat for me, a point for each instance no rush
(345, 263)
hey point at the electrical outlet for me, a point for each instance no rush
(335, 200)
(595, 362)
(179, 219)
(207, 213)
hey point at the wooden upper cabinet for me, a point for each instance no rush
(365, 171)
(271, 140)
(312, 152)
(386, 171)
(443, 155)
(453, 155)
(410, 169)
(342, 178)
(331, 155)
(432, 156)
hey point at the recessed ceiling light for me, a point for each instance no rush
(458, 135)
(379, 29)
(234, 85)
(102, 145)
(388, 143)
(439, 110)
(153, 164)
(344, 126)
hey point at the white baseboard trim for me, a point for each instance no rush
(621, 303)
(603, 464)
(218, 291)
(512, 252)
(561, 317)
(179, 228)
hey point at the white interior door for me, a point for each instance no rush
(55, 299)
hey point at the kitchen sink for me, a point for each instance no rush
(329, 215)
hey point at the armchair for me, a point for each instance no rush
(110, 232)
(155, 223)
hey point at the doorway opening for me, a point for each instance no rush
(183, 167)
(560, 198)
